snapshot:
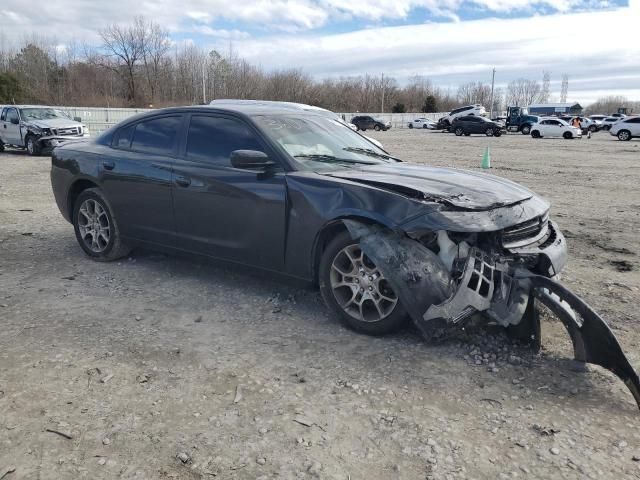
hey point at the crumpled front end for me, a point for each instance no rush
(444, 278)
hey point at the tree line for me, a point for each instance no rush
(137, 65)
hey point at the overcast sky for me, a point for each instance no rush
(595, 42)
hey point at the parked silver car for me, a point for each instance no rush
(37, 128)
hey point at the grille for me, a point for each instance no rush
(526, 233)
(67, 131)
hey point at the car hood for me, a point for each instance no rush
(460, 189)
(53, 123)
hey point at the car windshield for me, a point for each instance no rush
(321, 143)
(41, 113)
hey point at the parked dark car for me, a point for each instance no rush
(474, 124)
(302, 195)
(364, 122)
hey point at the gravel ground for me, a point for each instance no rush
(166, 367)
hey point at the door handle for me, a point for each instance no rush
(108, 165)
(183, 181)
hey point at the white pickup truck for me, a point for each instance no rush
(37, 129)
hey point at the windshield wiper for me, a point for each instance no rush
(368, 151)
(332, 159)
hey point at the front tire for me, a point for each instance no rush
(624, 135)
(96, 228)
(459, 131)
(489, 132)
(377, 128)
(536, 134)
(526, 129)
(410, 125)
(356, 291)
(33, 149)
(567, 135)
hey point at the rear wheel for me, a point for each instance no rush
(592, 128)
(356, 291)
(536, 134)
(624, 135)
(567, 135)
(96, 228)
(459, 131)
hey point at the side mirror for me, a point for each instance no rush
(77, 119)
(250, 160)
(15, 121)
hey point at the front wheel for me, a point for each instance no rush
(410, 125)
(624, 135)
(567, 135)
(489, 132)
(459, 132)
(497, 133)
(96, 228)
(593, 128)
(526, 129)
(377, 128)
(33, 149)
(536, 134)
(356, 291)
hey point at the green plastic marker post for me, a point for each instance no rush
(486, 158)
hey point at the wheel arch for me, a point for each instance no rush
(75, 190)
(330, 230)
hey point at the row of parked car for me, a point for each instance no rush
(472, 120)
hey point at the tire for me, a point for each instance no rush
(458, 131)
(107, 245)
(567, 135)
(526, 129)
(411, 125)
(497, 133)
(489, 132)
(606, 128)
(376, 128)
(33, 149)
(593, 128)
(624, 135)
(334, 258)
(536, 134)
(1, 147)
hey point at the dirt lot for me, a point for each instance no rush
(162, 367)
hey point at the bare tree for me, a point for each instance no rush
(523, 92)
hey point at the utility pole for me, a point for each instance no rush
(382, 102)
(493, 81)
(204, 84)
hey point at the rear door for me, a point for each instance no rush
(136, 177)
(226, 212)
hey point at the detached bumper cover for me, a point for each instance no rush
(497, 286)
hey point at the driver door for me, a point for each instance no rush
(226, 212)
(11, 127)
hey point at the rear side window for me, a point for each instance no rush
(122, 138)
(633, 120)
(157, 136)
(212, 139)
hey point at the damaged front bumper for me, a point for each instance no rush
(51, 142)
(501, 286)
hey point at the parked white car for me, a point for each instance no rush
(477, 110)
(422, 123)
(627, 128)
(37, 128)
(608, 122)
(555, 127)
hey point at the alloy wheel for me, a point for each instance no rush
(359, 287)
(94, 225)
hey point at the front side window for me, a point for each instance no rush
(12, 115)
(122, 138)
(212, 139)
(157, 136)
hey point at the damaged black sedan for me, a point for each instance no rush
(303, 195)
